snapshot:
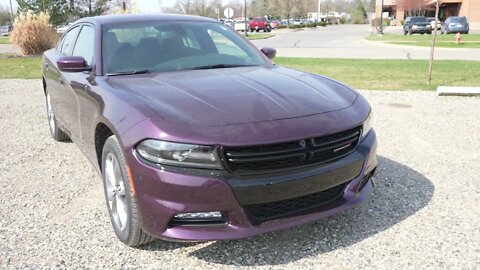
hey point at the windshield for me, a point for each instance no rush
(418, 19)
(173, 46)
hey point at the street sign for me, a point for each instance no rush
(228, 12)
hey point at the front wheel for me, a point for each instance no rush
(121, 203)
(56, 133)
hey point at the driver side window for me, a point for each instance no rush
(69, 41)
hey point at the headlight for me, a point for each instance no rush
(367, 126)
(179, 154)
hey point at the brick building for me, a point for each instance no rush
(469, 8)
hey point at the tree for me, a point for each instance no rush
(413, 7)
(4, 16)
(287, 7)
(57, 9)
(86, 8)
(434, 39)
(359, 14)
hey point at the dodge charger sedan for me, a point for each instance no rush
(198, 136)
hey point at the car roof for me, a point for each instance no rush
(125, 18)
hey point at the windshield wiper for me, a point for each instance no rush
(219, 66)
(132, 72)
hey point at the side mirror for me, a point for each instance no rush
(72, 64)
(269, 52)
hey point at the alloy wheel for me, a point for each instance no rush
(50, 114)
(117, 200)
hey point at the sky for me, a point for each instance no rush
(147, 6)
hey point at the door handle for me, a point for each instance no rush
(47, 65)
(61, 81)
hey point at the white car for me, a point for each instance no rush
(229, 23)
(240, 25)
(432, 23)
(63, 28)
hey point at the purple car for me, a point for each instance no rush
(198, 135)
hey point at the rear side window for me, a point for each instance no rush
(68, 41)
(85, 44)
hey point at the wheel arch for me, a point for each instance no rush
(102, 132)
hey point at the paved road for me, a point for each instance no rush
(347, 41)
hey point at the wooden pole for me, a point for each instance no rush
(434, 39)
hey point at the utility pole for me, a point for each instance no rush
(318, 11)
(11, 13)
(245, 17)
(381, 20)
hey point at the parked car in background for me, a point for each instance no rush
(240, 25)
(198, 135)
(456, 25)
(275, 24)
(431, 20)
(260, 23)
(62, 28)
(297, 22)
(5, 30)
(229, 22)
(418, 24)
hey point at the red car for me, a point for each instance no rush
(260, 23)
(275, 24)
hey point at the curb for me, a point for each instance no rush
(458, 91)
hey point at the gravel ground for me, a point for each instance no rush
(424, 213)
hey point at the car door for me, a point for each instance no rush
(80, 82)
(59, 94)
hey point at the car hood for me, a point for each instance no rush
(236, 95)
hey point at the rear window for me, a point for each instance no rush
(260, 19)
(418, 19)
(459, 20)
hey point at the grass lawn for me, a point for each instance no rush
(390, 74)
(19, 67)
(4, 40)
(445, 41)
(358, 73)
(259, 36)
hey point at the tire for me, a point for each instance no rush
(56, 133)
(251, 30)
(410, 31)
(121, 202)
(257, 30)
(404, 33)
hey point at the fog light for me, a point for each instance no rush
(198, 219)
(199, 215)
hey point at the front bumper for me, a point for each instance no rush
(161, 194)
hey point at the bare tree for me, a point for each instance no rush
(413, 7)
(288, 7)
(434, 39)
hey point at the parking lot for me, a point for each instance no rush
(424, 213)
(348, 41)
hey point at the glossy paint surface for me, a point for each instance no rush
(219, 107)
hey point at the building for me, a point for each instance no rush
(468, 8)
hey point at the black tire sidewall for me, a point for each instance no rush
(112, 146)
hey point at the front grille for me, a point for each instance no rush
(290, 155)
(308, 203)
